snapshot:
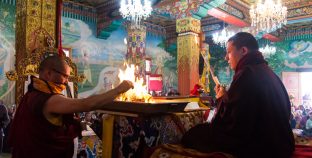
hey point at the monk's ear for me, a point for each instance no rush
(244, 50)
(46, 74)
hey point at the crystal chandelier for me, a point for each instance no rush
(222, 37)
(135, 11)
(267, 51)
(268, 16)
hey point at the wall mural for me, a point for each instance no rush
(299, 53)
(291, 55)
(7, 50)
(100, 60)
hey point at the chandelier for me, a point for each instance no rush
(135, 11)
(267, 51)
(222, 37)
(268, 16)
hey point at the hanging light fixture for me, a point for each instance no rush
(268, 16)
(135, 11)
(222, 37)
(267, 51)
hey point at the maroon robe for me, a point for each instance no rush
(33, 136)
(252, 118)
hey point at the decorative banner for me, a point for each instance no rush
(136, 48)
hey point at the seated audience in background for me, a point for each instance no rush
(303, 121)
(292, 121)
(6, 148)
(308, 127)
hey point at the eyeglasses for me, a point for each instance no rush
(61, 73)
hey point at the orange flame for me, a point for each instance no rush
(139, 92)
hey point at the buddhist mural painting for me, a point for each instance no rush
(7, 49)
(100, 59)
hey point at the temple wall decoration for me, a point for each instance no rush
(36, 29)
(100, 59)
(7, 50)
(79, 12)
(188, 54)
(136, 45)
(34, 21)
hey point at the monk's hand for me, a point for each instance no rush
(220, 91)
(124, 86)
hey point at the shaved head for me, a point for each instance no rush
(52, 62)
(54, 69)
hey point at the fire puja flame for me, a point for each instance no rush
(139, 92)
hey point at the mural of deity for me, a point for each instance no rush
(86, 68)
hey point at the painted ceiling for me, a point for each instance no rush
(230, 12)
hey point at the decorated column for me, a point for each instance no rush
(188, 30)
(35, 23)
(136, 47)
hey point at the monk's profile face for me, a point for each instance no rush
(233, 55)
(60, 75)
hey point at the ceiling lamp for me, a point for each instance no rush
(135, 11)
(267, 51)
(268, 16)
(222, 37)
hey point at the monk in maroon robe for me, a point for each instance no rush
(252, 118)
(43, 126)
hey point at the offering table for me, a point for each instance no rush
(130, 127)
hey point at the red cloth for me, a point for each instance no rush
(302, 151)
(206, 115)
(195, 90)
(33, 136)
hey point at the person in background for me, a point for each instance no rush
(303, 120)
(172, 92)
(11, 111)
(4, 121)
(252, 118)
(97, 124)
(292, 121)
(43, 125)
(308, 127)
